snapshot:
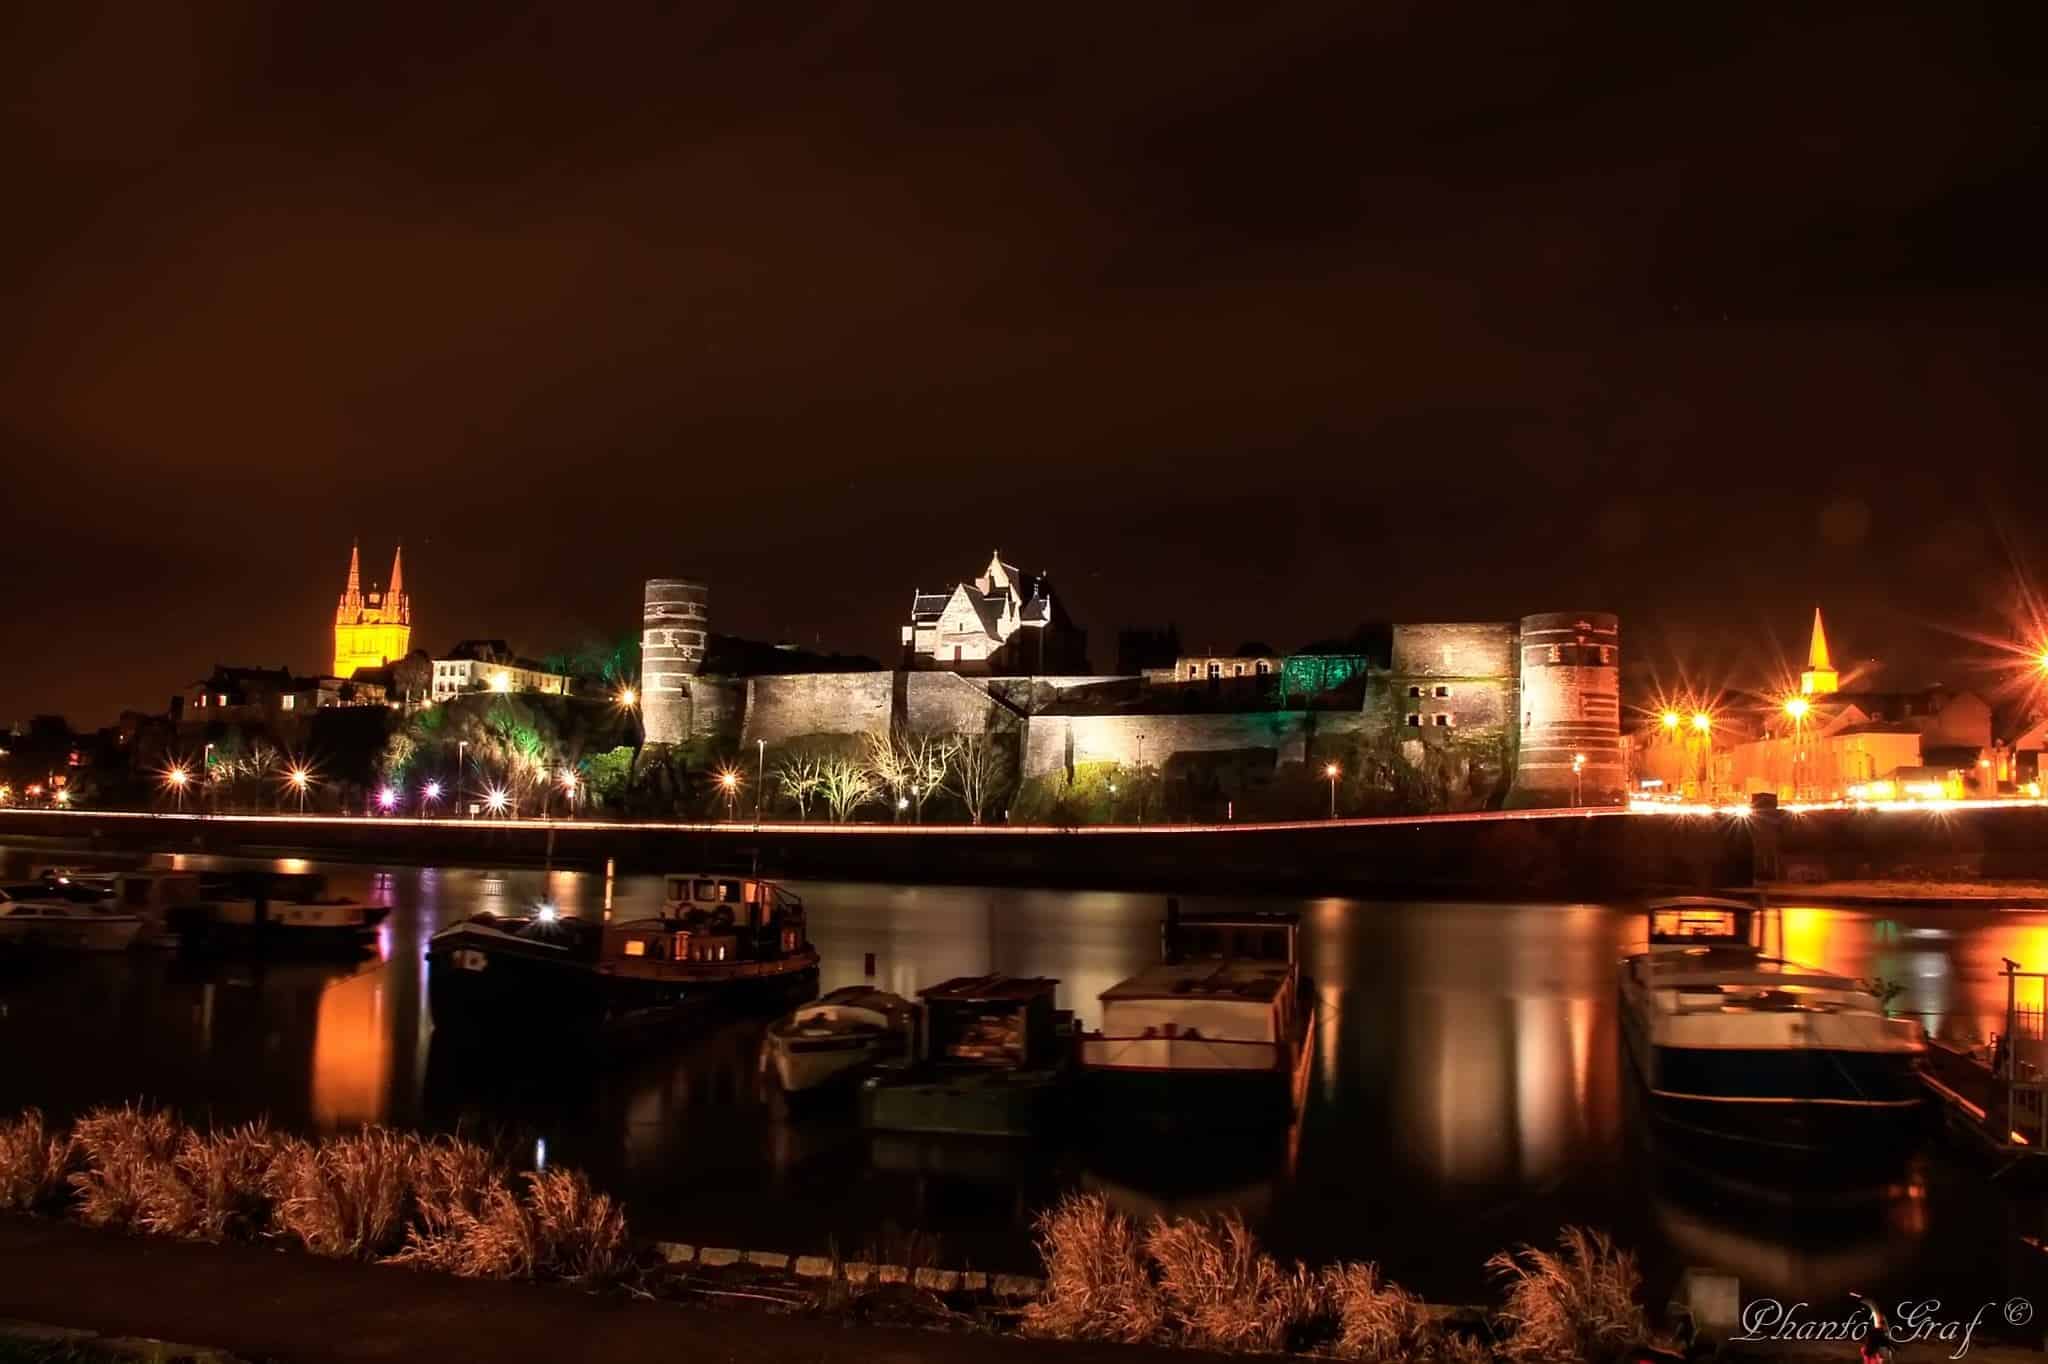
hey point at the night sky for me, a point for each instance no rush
(1268, 328)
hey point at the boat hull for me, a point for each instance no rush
(805, 1069)
(70, 935)
(1198, 1084)
(504, 988)
(1804, 1102)
(968, 1103)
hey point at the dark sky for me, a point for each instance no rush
(1267, 326)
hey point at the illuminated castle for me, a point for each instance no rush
(371, 629)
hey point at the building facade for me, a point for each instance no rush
(372, 629)
(489, 665)
(1001, 622)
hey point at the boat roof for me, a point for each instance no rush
(1717, 967)
(1241, 978)
(1251, 918)
(990, 989)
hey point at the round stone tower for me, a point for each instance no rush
(1570, 748)
(675, 616)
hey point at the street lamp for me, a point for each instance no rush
(729, 782)
(1331, 770)
(429, 793)
(175, 778)
(497, 800)
(569, 789)
(461, 772)
(1578, 778)
(760, 775)
(628, 698)
(300, 779)
(1798, 708)
(387, 799)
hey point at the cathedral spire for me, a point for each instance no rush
(355, 569)
(397, 573)
(1820, 677)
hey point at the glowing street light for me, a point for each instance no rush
(1332, 771)
(628, 698)
(300, 779)
(1797, 707)
(63, 795)
(497, 800)
(387, 799)
(176, 777)
(1702, 721)
(729, 782)
(1578, 777)
(1671, 719)
(501, 682)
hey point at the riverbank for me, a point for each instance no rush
(1879, 893)
(1555, 853)
(300, 1309)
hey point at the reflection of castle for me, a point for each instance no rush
(371, 629)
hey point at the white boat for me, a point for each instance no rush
(1742, 1047)
(31, 917)
(1217, 1034)
(837, 1037)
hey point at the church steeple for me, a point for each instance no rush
(1820, 677)
(395, 604)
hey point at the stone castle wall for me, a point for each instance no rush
(781, 708)
(1571, 709)
(1060, 743)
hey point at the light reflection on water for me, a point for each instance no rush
(1467, 1093)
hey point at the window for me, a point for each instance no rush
(1237, 670)
(1442, 719)
(1215, 670)
(1556, 654)
(1263, 667)
(1442, 692)
(1415, 693)
(289, 701)
(1193, 672)
(1414, 720)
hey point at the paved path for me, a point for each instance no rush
(298, 1309)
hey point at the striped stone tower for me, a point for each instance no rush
(675, 615)
(1570, 749)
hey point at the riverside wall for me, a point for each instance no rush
(1538, 855)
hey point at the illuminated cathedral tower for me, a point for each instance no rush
(371, 629)
(1820, 677)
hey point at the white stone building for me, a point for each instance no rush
(1001, 621)
(488, 665)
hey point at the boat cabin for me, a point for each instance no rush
(994, 1021)
(1694, 922)
(707, 920)
(151, 892)
(1240, 935)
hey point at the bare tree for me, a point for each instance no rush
(800, 777)
(928, 758)
(846, 785)
(980, 767)
(886, 768)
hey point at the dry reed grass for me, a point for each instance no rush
(440, 1202)
(1577, 1306)
(215, 1187)
(35, 1164)
(349, 1196)
(1219, 1291)
(560, 1227)
(127, 1153)
(1098, 1285)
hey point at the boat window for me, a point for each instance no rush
(1693, 922)
(707, 890)
(750, 891)
(721, 951)
(635, 948)
(678, 888)
(729, 892)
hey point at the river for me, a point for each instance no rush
(1468, 1093)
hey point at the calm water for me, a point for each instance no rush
(1468, 1092)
